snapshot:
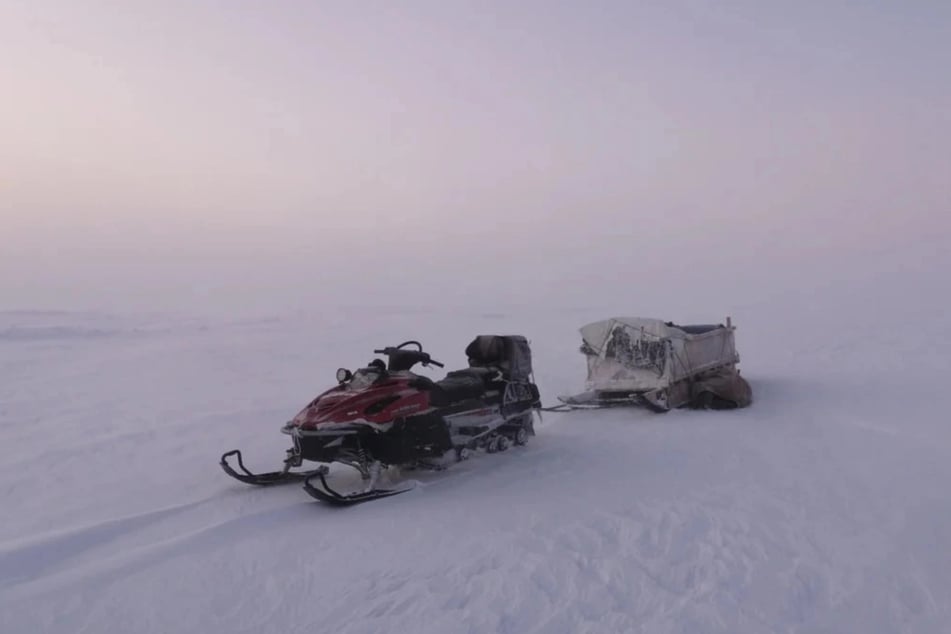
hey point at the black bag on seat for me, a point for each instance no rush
(509, 353)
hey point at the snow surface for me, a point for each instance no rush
(822, 508)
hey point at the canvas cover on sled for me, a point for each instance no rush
(639, 355)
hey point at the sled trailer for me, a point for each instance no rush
(636, 360)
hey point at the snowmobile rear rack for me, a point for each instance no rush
(324, 493)
(264, 479)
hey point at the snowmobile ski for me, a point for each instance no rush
(264, 479)
(324, 493)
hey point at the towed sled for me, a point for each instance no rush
(659, 365)
(384, 415)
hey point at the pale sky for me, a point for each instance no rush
(251, 155)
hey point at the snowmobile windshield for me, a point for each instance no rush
(364, 378)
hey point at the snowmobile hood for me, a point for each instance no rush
(381, 402)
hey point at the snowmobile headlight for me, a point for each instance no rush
(344, 375)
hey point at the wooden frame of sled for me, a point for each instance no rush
(660, 365)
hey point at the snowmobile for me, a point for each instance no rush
(385, 415)
(659, 365)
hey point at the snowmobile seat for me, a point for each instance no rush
(487, 375)
(459, 386)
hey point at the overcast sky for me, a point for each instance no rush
(240, 155)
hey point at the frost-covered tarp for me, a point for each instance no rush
(636, 354)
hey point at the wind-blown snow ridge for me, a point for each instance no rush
(36, 333)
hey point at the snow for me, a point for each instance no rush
(821, 508)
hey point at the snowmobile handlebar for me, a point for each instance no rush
(421, 357)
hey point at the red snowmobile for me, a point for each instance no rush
(385, 415)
